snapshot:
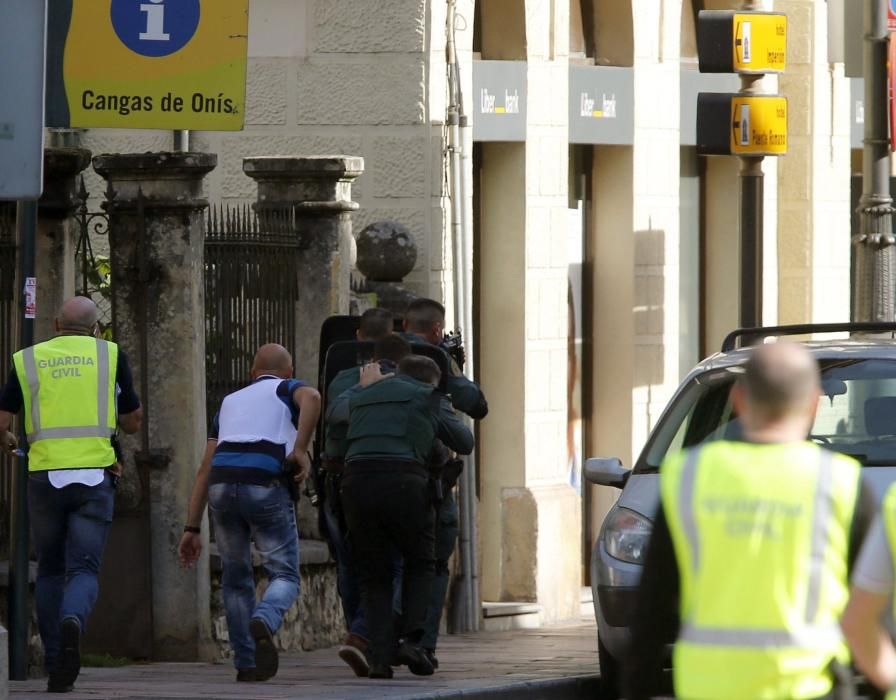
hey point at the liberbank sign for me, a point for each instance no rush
(147, 64)
(601, 103)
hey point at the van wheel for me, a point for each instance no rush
(609, 673)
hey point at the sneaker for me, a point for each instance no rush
(415, 659)
(431, 655)
(353, 652)
(246, 675)
(377, 671)
(267, 660)
(69, 664)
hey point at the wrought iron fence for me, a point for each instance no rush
(8, 342)
(94, 276)
(251, 292)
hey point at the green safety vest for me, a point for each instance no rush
(888, 513)
(761, 537)
(68, 386)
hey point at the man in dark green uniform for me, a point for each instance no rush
(394, 421)
(424, 321)
(388, 351)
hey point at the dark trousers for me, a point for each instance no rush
(446, 539)
(70, 526)
(388, 508)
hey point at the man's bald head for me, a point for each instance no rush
(272, 359)
(77, 315)
(780, 381)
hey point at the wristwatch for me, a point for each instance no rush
(191, 529)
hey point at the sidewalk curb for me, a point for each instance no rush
(573, 688)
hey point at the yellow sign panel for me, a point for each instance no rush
(760, 42)
(155, 64)
(759, 125)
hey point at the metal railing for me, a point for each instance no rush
(251, 292)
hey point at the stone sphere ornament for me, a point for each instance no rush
(387, 251)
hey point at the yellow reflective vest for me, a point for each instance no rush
(68, 386)
(761, 537)
(888, 513)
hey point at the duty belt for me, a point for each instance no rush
(331, 465)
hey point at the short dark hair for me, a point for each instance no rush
(391, 347)
(421, 368)
(780, 379)
(375, 323)
(422, 314)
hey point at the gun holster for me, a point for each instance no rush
(844, 686)
(289, 468)
(451, 473)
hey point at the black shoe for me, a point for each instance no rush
(431, 655)
(69, 663)
(246, 675)
(415, 659)
(379, 671)
(55, 686)
(267, 660)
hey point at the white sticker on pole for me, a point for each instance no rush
(747, 40)
(745, 125)
(30, 297)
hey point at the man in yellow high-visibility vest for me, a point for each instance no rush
(873, 587)
(747, 564)
(74, 391)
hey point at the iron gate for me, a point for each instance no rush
(251, 293)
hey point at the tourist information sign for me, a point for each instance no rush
(147, 64)
(734, 124)
(742, 42)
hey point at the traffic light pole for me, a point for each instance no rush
(875, 261)
(752, 182)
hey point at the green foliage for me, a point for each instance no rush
(104, 661)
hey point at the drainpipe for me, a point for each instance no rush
(460, 150)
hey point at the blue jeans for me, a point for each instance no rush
(70, 526)
(265, 514)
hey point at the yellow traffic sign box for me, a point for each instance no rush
(742, 42)
(733, 124)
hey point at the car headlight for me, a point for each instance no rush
(626, 535)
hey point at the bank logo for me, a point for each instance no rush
(155, 28)
(488, 102)
(592, 109)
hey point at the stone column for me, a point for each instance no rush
(157, 262)
(319, 190)
(57, 234)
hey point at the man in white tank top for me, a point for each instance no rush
(242, 478)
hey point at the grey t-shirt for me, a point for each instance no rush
(874, 568)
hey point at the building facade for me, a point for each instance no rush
(605, 250)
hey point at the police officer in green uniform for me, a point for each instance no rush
(747, 564)
(388, 350)
(394, 420)
(74, 390)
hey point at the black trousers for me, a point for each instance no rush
(388, 508)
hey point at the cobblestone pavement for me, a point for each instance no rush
(552, 662)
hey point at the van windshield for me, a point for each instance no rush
(856, 415)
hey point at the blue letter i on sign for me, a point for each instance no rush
(155, 28)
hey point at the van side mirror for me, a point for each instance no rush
(606, 471)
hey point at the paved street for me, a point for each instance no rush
(553, 662)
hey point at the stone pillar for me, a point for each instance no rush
(57, 234)
(387, 252)
(319, 190)
(158, 295)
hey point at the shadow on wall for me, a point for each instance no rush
(649, 308)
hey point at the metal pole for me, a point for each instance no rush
(182, 140)
(874, 279)
(751, 232)
(19, 614)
